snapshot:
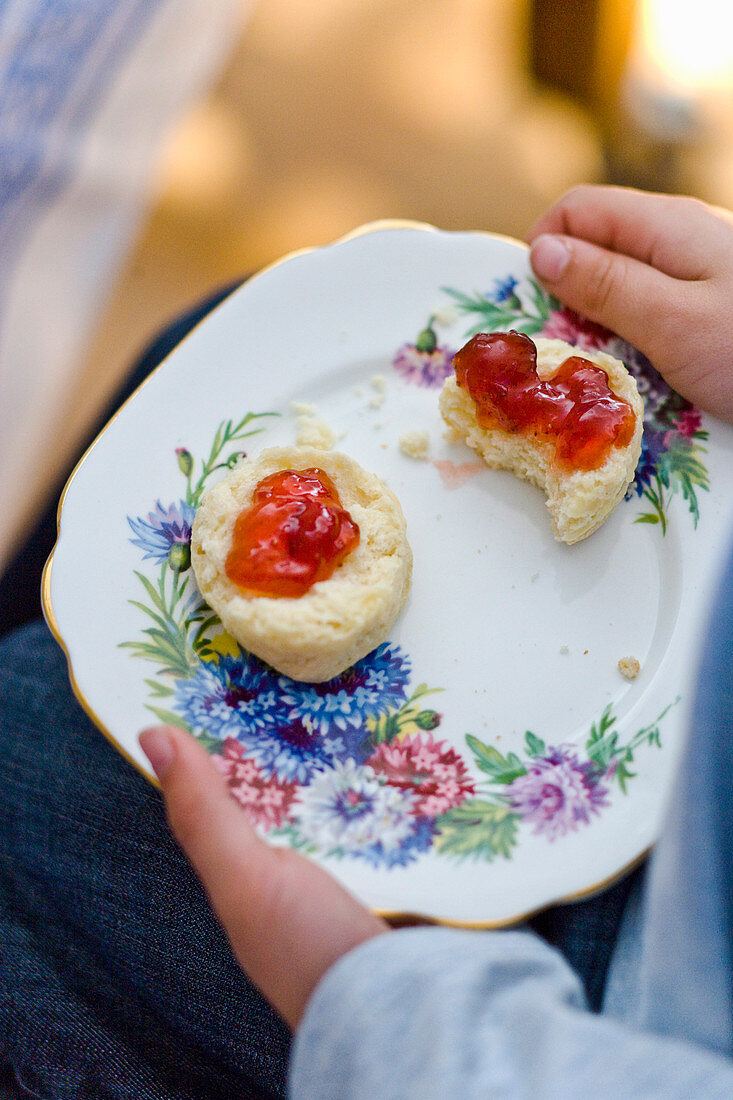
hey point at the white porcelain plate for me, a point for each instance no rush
(489, 758)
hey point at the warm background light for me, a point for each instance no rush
(336, 112)
(679, 94)
(689, 46)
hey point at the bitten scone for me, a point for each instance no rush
(586, 469)
(336, 621)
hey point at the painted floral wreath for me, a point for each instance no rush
(355, 767)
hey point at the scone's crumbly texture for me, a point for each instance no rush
(339, 620)
(415, 444)
(629, 667)
(578, 500)
(313, 431)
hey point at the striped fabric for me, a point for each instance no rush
(88, 88)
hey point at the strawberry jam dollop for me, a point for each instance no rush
(575, 409)
(293, 534)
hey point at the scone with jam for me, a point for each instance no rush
(304, 557)
(567, 420)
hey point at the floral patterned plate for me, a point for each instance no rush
(489, 758)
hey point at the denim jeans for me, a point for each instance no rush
(115, 978)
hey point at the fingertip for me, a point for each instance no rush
(197, 801)
(158, 744)
(549, 256)
(175, 755)
(203, 816)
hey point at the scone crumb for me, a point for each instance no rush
(629, 667)
(379, 384)
(415, 444)
(312, 430)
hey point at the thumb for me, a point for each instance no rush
(617, 291)
(287, 920)
(208, 825)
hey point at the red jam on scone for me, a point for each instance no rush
(575, 409)
(294, 534)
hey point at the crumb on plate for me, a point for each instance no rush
(629, 667)
(312, 430)
(379, 384)
(415, 444)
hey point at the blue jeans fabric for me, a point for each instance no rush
(115, 979)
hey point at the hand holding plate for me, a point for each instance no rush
(287, 919)
(657, 270)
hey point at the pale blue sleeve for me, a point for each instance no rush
(438, 1014)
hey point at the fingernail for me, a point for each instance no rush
(549, 257)
(157, 745)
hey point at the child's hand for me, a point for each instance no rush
(657, 270)
(287, 920)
